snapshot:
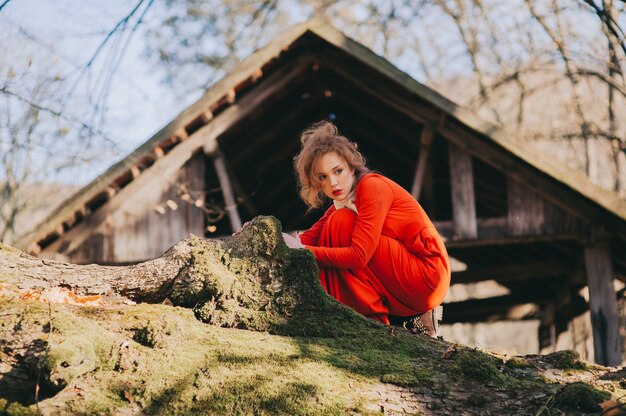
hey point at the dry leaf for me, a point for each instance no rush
(76, 390)
(7, 290)
(129, 396)
(612, 408)
(449, 351)
(61, 295)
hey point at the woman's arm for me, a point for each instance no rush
(375, 197)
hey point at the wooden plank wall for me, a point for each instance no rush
(525, 210)
(531, 214)
(145, 226)
(462, 185)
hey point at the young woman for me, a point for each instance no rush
(377, 250)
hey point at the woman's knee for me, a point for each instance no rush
(340, 224)
(342, 218)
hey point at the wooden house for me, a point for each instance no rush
(509, 214)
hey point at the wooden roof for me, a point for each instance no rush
(315, 52)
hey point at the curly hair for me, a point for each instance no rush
(319, 139)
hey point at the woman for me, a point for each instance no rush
(377, 250)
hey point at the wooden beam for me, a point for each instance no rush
(206, 116)
(256, 75)
(514, 272)
(135, 172)
(452, 245)
(426, 140)
(181, 134)
(486, 228)
(493, 231)
(231, 96)
(227, 189)
(463, 197)
(499, 308)
(158, 152)
(603, 305)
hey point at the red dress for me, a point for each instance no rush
(386, 260)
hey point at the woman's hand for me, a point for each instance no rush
(245, 224)
(292, 242)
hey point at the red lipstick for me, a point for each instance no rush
(337, 192)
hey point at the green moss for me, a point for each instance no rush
(477, 400)
(8, 248)
(581, 397)
(566, 360)
(254, 281)
(72, 357)
(291, 399)
(15, 409)
(479, 366)
(518, 363)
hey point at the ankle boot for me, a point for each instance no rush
(426, 323)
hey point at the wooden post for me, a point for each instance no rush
(463, 199)
(547, 328)
(603, 306)
(425, 141)
(225, 184)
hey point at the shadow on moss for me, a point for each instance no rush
(580, 397)
(566, 360)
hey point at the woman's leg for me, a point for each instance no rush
(394, 281)
(411, 284)
(357, 292)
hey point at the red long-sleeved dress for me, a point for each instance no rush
(386, 260)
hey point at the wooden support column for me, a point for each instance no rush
(425, 141)
(463, 199)
(547, 327)
(213, 151)
(603, 305)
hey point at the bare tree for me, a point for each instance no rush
(500, 59)
(53, 117)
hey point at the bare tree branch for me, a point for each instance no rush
(4, 4)
(120, 24)
(91, 130)
(609, 22)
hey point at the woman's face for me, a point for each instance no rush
(335, 176)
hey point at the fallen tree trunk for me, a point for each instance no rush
(248, 281)
(151, 358)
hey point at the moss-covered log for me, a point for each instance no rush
(248, 281)
(306, 353)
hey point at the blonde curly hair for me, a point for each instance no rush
(321, 138)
